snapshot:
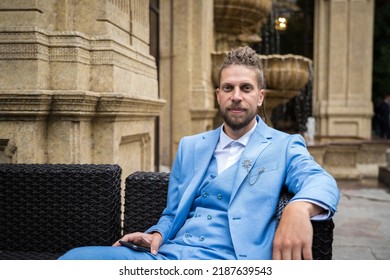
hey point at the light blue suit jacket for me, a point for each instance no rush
(271, 160)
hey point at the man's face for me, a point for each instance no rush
(239, 97)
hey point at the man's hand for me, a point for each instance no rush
(294, 235)
(152, 240)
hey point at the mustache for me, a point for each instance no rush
(236, 108)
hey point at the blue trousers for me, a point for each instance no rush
(108, 253)
(168, 251)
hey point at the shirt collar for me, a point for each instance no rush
(225, 141)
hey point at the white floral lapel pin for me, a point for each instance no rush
(247, 164)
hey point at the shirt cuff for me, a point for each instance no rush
(327, 214)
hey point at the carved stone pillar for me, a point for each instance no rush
(343, 67)
(187, 39)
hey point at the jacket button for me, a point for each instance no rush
(209, 217)
(201, 238)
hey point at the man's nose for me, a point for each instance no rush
(237, 94)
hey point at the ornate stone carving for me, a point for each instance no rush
(122, 5)
(116, 106)
(15, 105)
(77, 104)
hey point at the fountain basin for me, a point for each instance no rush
(286, 72)
(236, 16)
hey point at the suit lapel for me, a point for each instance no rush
(204, 151)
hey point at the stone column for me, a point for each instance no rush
(77, 83)
(186, 32)
(343, 67)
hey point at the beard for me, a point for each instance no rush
(238, 122)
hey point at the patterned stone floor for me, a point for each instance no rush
(362, 223)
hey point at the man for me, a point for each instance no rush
(224, 185)
(383, 116)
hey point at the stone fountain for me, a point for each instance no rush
(238, 22)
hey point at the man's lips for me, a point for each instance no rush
(236, 110)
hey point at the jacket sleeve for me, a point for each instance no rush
(307, 179)
(164, 224)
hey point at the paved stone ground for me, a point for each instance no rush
(362, 223)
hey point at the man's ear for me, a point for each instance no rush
(217, 94)
(261, 98)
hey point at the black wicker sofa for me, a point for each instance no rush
(47, 209)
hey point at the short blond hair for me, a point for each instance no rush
(245, 56)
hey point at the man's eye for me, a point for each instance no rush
(246, 88)
(227, 88)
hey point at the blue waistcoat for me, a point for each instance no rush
(205, 233)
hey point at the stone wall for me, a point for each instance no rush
(77, 83)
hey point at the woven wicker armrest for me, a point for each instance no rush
(322, 231)
(145, 199)
(47, 209)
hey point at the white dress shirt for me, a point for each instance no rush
(229, 151)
